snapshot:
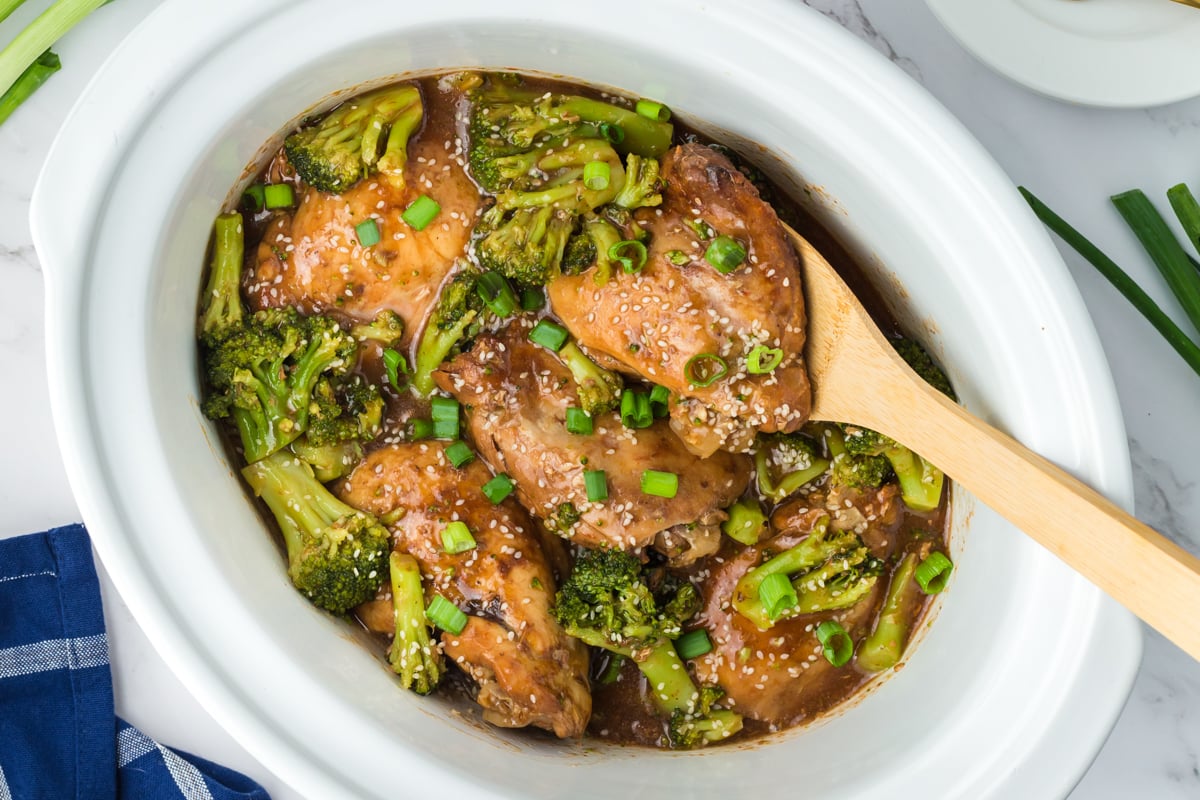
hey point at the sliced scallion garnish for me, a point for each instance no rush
(933, 573)
(630, 253)
(725, 253)
(705, 369)
(368, 232)
(498, 488)
(421, 212)
(445, 615)
(693, 644)
(457, 538)
(836, 644)
(595, 483)
(460, 454)
(777, 595)
(549, 334)
(763, 359)
(660, 484)
(496, 294)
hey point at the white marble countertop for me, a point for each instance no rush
(1073, 157)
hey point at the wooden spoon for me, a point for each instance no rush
(857, 377)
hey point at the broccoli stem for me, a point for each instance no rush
(643, 136)
(670, 685)
(788, 483)
(223, 302)
(838, 583)
(328, 461)
(883, 647)
(598, 389)
(414, 654)
(920, 482)
(604, 235)
(436, 344)
(302, 506)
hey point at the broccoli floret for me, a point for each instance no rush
(414, 653)
(854, 471)
(786, 461)
(458, 306)
(589, 248)
(329, 461)
(920, 482)
(706, 724)
(643, 186)
(829, 570)
(565, 517)
(526, 246)
(353, 410)
(386, 328)
(222, 306)
(365, 134)
(599, 390)
(337, 555)
(264, 372)
(923, 365)
(607, 602)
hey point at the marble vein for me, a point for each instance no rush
(851, 16)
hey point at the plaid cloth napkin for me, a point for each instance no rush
(59, 736)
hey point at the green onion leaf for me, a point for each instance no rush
(777, 595)
(496, 294)
(394, 364)
(579, 422)
(763, 359)
(422, 429)
(701, 228)
(445, 417)
(460, 454)
(532, 299)
(1164, 249)
(704, 369)
(933, 573)
(652, 110)
(725, 253)
(678, 258)
(1188, 211)
(836, 643)
(421, 212)
(29, 81)
(498, 488)
(595, 482)
(279, 195)
(368, 232)
(693, 644)
(660, 484)
(631, 253)
(612, 133)
(457, 538)
(445, 615)
(660, 401)
(549, 335)
(254, 198)
(596, 175)
(635, 410)
(746, 522)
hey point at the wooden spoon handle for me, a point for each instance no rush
(1139, 567)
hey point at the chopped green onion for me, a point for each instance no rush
(595, 482)
(579, 422)
(777, 595)
(1188, 350)
(445, 417)
(278, 195)
(496, 294)
(678, 258)
(704, 369)
(725, 253)
(596, 175)
(933, 573)
(549, 335)
(33, 75)
(693, 644)
(631, 253)
(254, 198)
(368, 232)
(652, 110)
(498, 488)
(457, 538)
(460, 454)
(701, 228)
(612, 670)
(660, 484)
(421, 212)
(763, 359)
(1188, 211)
(612, 133)
(746, 522)
(660, 401)
(422, 429)
(635, 409)
(445, 615)
(394, 364)
(532, 299)
(1164, 249)
(836, 643)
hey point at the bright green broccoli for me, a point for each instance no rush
(414, 653)
(786, 461)
(854, 472)
(885, 644)
(329, 461)
(365, 134)
(526, 246)
(599, 390)
(589, 248)
(920, 482)
(643, 186)
(222, 306)
(337, 555)
(924, 366)
(386, 329)
(607, 602)
(829, 570)
(458, 307)
(563, 519)
(351, 410)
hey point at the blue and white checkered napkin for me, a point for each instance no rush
(59, 736)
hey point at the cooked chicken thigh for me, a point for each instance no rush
(679, 306)
(528, 670)
(517, 393)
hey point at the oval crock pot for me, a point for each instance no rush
(1012, 690)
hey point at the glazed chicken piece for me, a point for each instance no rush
(311, 258)
(873, 514)
(679, 307)
(517, 393)
(528, 670)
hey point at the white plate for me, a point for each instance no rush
(1117, 53)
